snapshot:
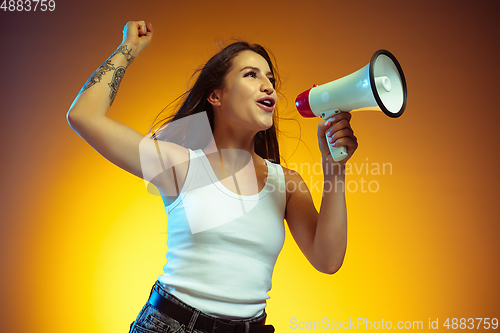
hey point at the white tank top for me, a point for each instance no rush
(222, 246)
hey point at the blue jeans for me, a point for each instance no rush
(151, 320)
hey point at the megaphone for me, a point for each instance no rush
(381, 84)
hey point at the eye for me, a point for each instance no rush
(272, 80)
(251, 73)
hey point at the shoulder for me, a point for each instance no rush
(293, 181)
(163, 161)
(173, 154)
(291, 174)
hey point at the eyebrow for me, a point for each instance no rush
(256, 69)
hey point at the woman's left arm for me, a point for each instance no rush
(322, 237)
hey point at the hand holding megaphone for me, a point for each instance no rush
(381, 84)
(337, 131)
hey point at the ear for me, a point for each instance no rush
(214, 98)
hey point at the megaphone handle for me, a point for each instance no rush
(338, 153)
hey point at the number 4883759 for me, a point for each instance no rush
(471, 323)
(28, 5)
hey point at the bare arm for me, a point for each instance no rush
(117, 142)
(99, 92)
(322, 237)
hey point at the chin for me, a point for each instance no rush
(266, 125)
(268, 121)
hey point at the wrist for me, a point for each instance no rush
(334, 178)
(332, 168)
(128, 50)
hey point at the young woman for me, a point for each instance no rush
(227, 196)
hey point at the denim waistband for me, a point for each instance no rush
(158, 287)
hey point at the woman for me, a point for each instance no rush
(226, 201)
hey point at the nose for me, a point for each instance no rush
(267, 86)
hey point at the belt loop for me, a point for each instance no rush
(194, 317)
(242, 327)
(154, 285)
(214, 326)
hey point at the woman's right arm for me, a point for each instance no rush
(87, 115)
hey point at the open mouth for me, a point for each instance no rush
(268, 102)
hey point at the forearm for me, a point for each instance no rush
(99, 92)
(330, 239)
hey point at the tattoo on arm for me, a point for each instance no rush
(98, 74)
(107, 67)
(115, 83)
(126, 52)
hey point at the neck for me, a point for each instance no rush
(233, 143)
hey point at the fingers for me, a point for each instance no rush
(349, 142)
(337, 127)
(142, 29)
(345, 132)
(338, 131)
(138, 29)
(139, 34)
(335, 119)
(335, 123)
(149, 27)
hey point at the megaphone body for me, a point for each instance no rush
(381, 84)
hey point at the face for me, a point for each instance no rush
(248, 98)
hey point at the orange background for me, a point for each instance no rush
(82, 241)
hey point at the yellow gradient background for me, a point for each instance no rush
(82, 241)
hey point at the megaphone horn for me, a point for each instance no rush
(380, 83)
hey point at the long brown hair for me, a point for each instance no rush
(210, 77)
